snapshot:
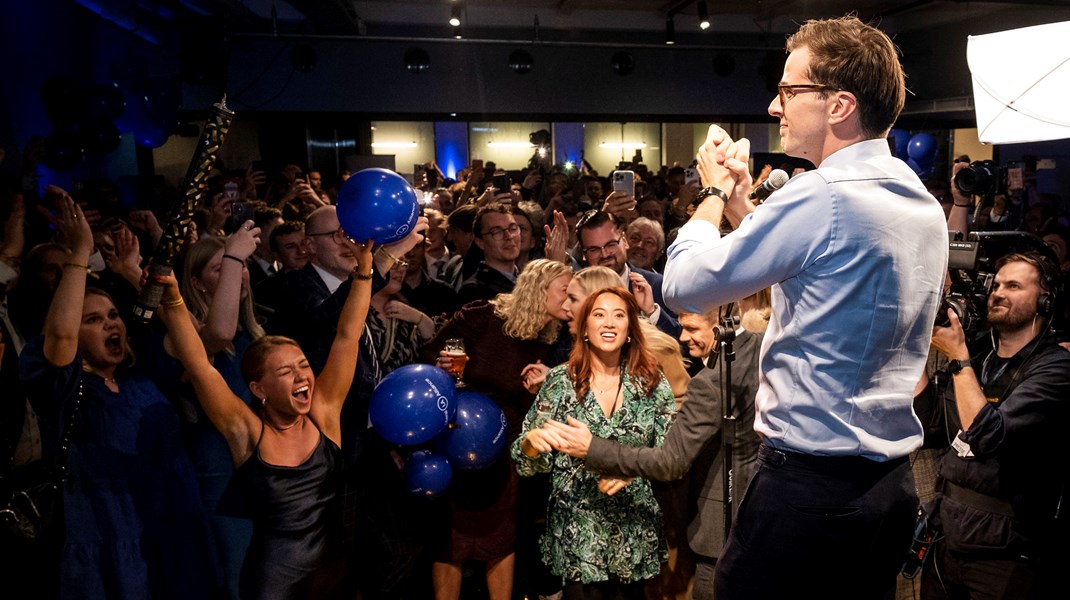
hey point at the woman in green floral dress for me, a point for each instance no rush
(602, 544)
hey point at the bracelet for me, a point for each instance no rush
(360, 276)
(232, 257)
(383, 250)
(70, 264)
(706, 193)
(962, 205)
(173, 303)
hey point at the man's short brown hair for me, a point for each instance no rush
(848, 55)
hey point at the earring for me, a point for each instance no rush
(263, 401)
(628, 339)
(586, 339)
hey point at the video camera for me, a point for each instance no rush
(971, 267)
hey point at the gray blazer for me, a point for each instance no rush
(693, 447)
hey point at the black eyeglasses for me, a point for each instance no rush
(596, 251)
(787, 92)
(499, 233)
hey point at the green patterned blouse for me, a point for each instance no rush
(590, 535)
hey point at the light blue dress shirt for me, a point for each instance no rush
(856, 252)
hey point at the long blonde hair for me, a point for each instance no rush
(197, 258)
(524, 310)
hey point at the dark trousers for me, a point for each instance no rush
(614, 589)
(950, 577)
(843, 520)
(702, 588)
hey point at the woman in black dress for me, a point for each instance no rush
(287, 452)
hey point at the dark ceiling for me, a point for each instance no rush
(548, 20)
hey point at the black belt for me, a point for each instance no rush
(833, 464)
(978, 500)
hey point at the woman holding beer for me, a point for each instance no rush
(501, 338)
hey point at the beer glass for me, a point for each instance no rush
(458, 359)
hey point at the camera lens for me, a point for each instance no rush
(978, 179)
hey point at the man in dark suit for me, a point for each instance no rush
(693, 446)
(498, 237)
(603, 243)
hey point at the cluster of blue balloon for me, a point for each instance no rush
(418, 404)
(151, 102)
(88, 119)
(918, 150)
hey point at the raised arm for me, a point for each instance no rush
(962, 204)
(221, 322)
(230, 415)
(333, 382)
(65, 313)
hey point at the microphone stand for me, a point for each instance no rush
(726, 335)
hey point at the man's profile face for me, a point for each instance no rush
(1012, 304)
(803, 118)
(697, 332)
(324, 251)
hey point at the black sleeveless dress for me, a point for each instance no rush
(296, 550)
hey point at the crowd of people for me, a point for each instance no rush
(224, 449)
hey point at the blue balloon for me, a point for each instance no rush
(477, 436)
(104, 103)
(151, 136)
(901, 139)
(427, 474)
(413, 404)
(922, 148)
(377, 204)
(914, 166)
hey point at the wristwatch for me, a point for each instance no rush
(956, 366)
(706, 193)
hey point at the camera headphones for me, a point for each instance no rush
(1049, 278)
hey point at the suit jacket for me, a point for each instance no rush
(667, 320)
(693, 447)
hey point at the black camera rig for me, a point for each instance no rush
(971, 266)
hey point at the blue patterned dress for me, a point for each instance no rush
(134, 522)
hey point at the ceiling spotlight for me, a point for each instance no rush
(703, 16)
(455, 15)
(670, 32)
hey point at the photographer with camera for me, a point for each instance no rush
(1000, 409)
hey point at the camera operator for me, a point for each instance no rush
(1001, 410)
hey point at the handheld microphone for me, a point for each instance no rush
(776, 180)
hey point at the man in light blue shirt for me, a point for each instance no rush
(856, 252)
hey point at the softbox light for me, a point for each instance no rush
(1021, 82)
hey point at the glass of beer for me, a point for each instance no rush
(458, 359)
